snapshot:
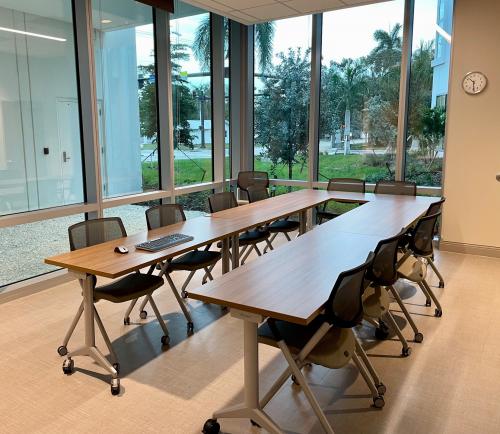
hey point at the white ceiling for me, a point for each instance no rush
(259, 11)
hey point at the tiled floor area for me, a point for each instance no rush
(449, 384)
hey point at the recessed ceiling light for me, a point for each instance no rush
(106, 21)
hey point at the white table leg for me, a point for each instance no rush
(250, 408)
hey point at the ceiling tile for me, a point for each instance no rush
(271, 12)
(210, 5)
(245, 4)
(242, 18)
(308, 6)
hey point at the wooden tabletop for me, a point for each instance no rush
(293, 282)
(101, 260)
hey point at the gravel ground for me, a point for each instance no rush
(23, 247)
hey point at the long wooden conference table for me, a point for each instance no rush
(291, 283)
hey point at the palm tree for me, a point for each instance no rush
(264, 35)
(352, 74)
(387, 53)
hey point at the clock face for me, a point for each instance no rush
(474, 83)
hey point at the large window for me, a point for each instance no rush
(430, 68)
(360, 76)
(281, 97)
(40, 149)
(126, 96)
(192, 94)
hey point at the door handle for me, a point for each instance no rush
(66, 157)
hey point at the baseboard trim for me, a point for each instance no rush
(34, 285)
(471, 249)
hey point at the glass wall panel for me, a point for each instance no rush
(40, 148)
(282, 80)
(23, 247)
(133, 216)
(195, 204)
(430, 69)
(126, 96)
(192, 94)
(227, 107)
(360, 75)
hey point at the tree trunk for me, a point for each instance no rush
(347, 132)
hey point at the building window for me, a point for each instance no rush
(190, 39)
(282, 80)
(126, 96)
(428, 93)
(360, 91)
(40, 148)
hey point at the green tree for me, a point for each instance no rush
(147, 103)
(281, 113)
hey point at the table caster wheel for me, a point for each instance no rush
(126, 321)
(428, 303)
(405, 352)
(255, 423)
(143, 314)
(190, 328)
(381, 389)
(419, 337)
(378, 402)
(117, 367)
(165, 340)
(115, 386)
(441, 284)
(62, 350)
(184, 294)
(438, 313)
(211, 427)
(68, 366)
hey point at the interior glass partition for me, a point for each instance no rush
(359, 98)
(40, 147)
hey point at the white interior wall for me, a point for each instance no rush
(472, 210)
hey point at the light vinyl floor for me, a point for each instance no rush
(449, 384)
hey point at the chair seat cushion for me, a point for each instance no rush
(283, 226)
(326, 215)
(195, 260)
(412, 269)
(333, 351)
(375, 301)
(127, 288)
(250, 237)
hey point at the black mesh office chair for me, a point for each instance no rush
(248, 240)
(339, 184)
(404, 188)
(328, 340)
(435, 208)
(165, 215)
(251, 178)
(420, 246)
(383, 275)
(130, 287)
(282, 226)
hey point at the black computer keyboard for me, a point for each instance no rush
(164, 242)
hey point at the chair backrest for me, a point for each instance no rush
(91, 232)
(252, 178)
(164, 215)
(221, 201)
(256, 193)
(423, 235)
(405, 188)
(435, 207)
(383, 271)
(345, 306)
(346, 184)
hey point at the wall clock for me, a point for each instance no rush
(474, 82)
